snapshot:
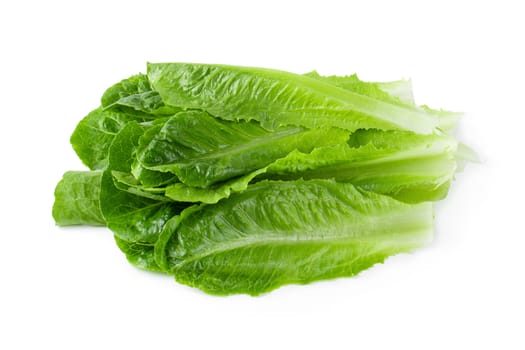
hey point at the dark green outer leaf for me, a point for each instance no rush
(132, 218)
(136, 96)
(276, 233)
(133, 85)
(94, 134)
(77, 199)
(139, 254)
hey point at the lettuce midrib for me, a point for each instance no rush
(406, 232)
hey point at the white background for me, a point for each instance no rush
(73, 289)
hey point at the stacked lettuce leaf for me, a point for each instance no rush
(240, 180)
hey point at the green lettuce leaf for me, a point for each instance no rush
(407, 166)
(126, 182)
(136, 96)
(212, 194)
(94, 134)
(395, 92)
(131, 217)
(77, 199)
(202, 150)
(277, 98)
(135, 219)
(139, 254)
(276, 233)
(148, 177)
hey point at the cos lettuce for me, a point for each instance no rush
(240, 180)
